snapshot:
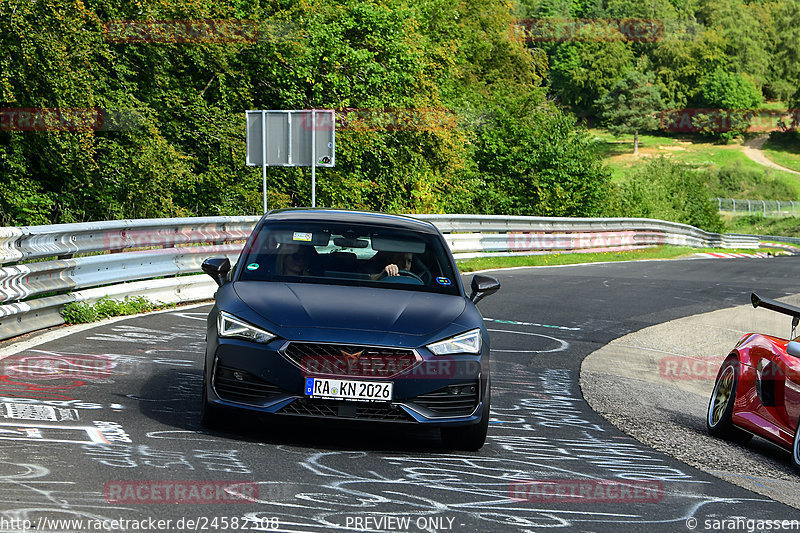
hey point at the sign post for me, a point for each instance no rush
(300, 138)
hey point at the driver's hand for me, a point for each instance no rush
(391, 270)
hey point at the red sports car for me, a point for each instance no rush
(757, 391)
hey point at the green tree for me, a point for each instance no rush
(682, 58)
(728, 90)
(631, 106)
(185, 155)
(533, 159)
(745, 31)
(583, 72)
(784, 69)
(733, 98)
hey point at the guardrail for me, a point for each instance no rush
(39, 274)
(43, 268)
(764, 208)
(497, 235)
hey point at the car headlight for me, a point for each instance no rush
(469, 342)
(232, 327)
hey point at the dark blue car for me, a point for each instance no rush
(349, 315)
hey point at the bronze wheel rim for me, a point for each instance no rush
(722, 395)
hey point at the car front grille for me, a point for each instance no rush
(350, 360)
(240, 386)
(453, 400)
(349, 410)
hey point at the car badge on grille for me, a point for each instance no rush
(351, 355)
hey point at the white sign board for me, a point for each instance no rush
(291, 138)
(304, 138)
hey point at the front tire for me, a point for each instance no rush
(719, 420)
(211, 416)
(796, 449)
(469, 438)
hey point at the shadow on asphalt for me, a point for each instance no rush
(173, 397)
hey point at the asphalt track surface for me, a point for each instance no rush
(116, 406)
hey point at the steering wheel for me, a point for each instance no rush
(402, 273)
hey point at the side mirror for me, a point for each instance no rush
(217, 268)
(793, 348)
(483, 286)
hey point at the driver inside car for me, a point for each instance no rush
(395, 262)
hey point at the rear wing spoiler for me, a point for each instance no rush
(774, 305)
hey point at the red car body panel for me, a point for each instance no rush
(768, 393)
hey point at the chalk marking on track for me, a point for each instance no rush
(563, 344)
(517, 323)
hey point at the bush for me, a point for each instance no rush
(82, 312)
(730, 92)
(79, 313)
(735, 181)
(665, 190)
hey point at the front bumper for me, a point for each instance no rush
(434, 390)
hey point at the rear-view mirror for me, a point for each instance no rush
(217, 268)
(483, 286)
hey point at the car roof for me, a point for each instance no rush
(349, 217)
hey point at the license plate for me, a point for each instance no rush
(344, 389)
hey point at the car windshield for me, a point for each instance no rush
(358, 255)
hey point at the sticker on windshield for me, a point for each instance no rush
(443, 281)
(252, 266)
(300, 236)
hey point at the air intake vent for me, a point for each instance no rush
(453, 400)
(240, 386)
(350, 410)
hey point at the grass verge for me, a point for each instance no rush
(657, 252)
(758, 225)
(692, 150)
(82, 312)
(784, 149)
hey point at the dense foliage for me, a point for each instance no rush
(457, 109)
(180, 147)
(704, 53)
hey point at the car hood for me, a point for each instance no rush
(306, 305)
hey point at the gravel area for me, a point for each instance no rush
(655, 386)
